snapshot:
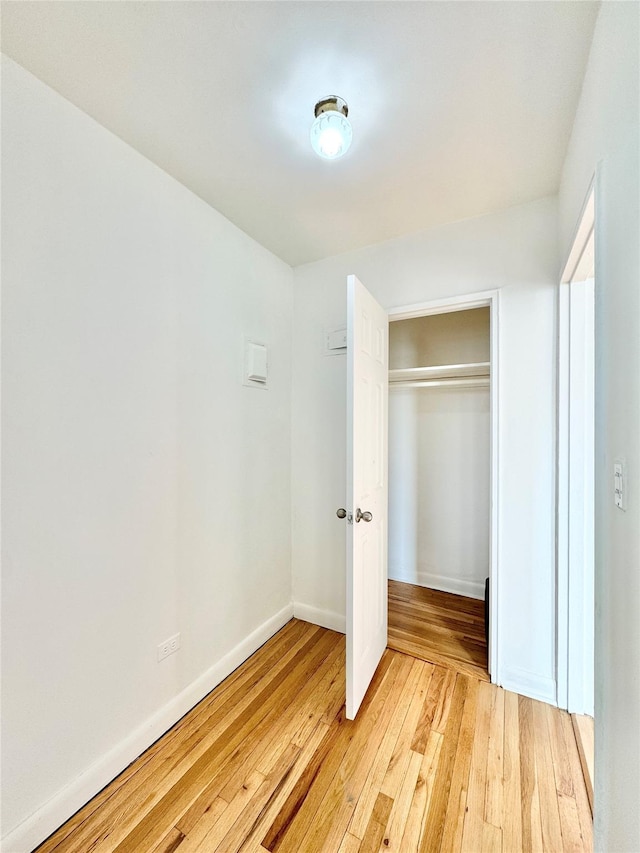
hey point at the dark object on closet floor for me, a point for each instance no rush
(486, 611)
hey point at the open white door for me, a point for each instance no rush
(367, 404)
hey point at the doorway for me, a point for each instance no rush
(443, 508)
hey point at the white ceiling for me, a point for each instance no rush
(457, 108)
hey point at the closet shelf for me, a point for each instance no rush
(455, 372)
(461, 382)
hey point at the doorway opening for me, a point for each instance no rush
(443, 404)
(576, 487)
(576, 415)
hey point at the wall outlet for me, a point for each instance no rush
(168, 647)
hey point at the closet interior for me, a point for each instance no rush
(439, 487)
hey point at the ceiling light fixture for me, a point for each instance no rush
(331, 131)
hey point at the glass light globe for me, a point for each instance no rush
(331, 134)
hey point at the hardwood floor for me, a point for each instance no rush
(438, 627)
(583, 727)
(437, 760)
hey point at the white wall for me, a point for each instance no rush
(458, 337)
(439, 461)
(515, 251)
(145, 490)
(606, 137)
(439, 488)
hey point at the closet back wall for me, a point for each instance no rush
(439, 442)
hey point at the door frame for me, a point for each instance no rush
(576, 469)
(484, 299)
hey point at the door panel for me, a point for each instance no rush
(367, 396)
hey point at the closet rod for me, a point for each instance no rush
(479, 381)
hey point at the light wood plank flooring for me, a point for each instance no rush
(438, 627)
(583, 727)
(437, 760)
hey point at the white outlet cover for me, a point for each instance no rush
(168, 647)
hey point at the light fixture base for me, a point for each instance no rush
(331, 103)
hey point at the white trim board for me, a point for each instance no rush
(52, 814)
(465, 302)
(575, 467)
(529, 684)
(317, 616)
(583, 233)
(458, 586)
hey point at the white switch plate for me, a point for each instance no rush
(619, 496)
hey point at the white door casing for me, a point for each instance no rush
(576, 460)
(367, 450)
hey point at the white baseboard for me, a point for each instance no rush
(325, 618)
(73, 796)
(528, 684)
(472, 589)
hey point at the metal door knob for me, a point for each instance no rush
(341, 513)
(363, 516)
